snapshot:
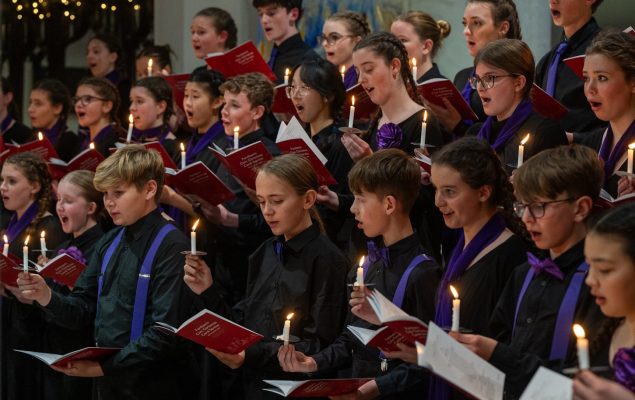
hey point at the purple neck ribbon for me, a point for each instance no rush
(53, 134)
(158, 133)
(389, 136)
(624, 365)
(350, 77)
(611, 158)
(6, 122)
(74, 252)
(547, 266)
(376, 253)
(518, 117)
(17, 226)
(193, 149)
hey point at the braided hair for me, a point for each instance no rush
(35, 170)
(479, 165)
(356, 23)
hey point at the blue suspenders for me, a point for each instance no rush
(143, 282)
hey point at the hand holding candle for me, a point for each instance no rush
(130, 126)
(5, 248)
(521, 151)
(351, 114)
(193, 238)
(236, 137)
(629, 160)
(456, 309)
(287, 329)
(43, 244)
(183, 156)
(414, 69)
(287, 72)
(149, 67)
(360, 272)
(25, 255)
(424, 128)
(583, 347)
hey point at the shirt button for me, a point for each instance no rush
(530, 320)
(543, 283)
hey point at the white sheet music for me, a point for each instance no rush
(294, 130)
(548, 385)
(455, 363)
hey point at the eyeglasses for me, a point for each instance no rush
(536, 209)
(332, 38)
(487, 81)
(296, 91)
(85, 100)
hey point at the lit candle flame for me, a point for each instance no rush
(4, 237)
(289, 316)
(182, 147)
(343, 69)
(525, 140)
(352, 100)
(91, 145)
(579, 331)
(287, 72)
(425, 114)
(414, 62)
(632, 146)
(195, 225)
(40, 136)
(130, 118)
(43, 234)
(150, 64)
(26, 241)
(361, 261)
(455, 294)
(236, 130)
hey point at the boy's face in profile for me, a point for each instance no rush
(370, 213)
(126, 203)
(551, 222)
(569, 12)
(238, 112)
(277, 22)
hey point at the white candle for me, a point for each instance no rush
(130, 125)
(583, 347)
(43, 244)
(629, 163)
(40, 136)
(351, 115)
(414, 69)
(236, 137)
(149, 67)
(193, 238)
(287, 329)
(25, 255)
(287, 72)
(183, 162)
(360, 272)
(521, 151)
(456, 309)
(343, 72)
(424, 128)
(5, 248)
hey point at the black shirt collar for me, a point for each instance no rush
(572, 258)
(251, 137)
(583, 34)
(403, 246)
(294, 41)
(432, 73)
(299, 241)
(144, 224)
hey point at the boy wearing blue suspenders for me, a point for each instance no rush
(385, 185)
(546, 296)
(132, 281)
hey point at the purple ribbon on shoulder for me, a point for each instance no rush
(350, 77)
(193, 149)
(6, 122)
(624, 365)
(53, 134)
(547, 265)
(17, 226)
(74, 252)
(518, 117)
(389, 135)
(376, 253)
(612, 157)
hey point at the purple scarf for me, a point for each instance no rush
(624, 365)
(466, 93)
(460, 260)
(6, 122)
(53, 134)
(74, 252)
(17, 226)
(519, 116)
(609, 157)
(193, 149)
(350, 78)
(389, 136)
(159, 132)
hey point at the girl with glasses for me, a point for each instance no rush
(341, 32)
(503, 76)
(96, 104)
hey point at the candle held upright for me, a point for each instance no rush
(456, 309)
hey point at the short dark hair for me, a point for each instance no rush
(160, 90)
(209, 79)
(323, 77)
(387, 172)
(288, 4)
(159, 54)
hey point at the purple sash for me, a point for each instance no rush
(17, 226)
(203, 141)
(273, 56)
(350, 77)
(624, 365)
(466, 93)
(6, 123)
(519, 116)
(158, 132)
(564, 321)
(609, 157)
(143, 282)
(53, 134)
(552, 74)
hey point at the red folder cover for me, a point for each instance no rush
(156, 146)
(315, 387)
(424, 162)
(576, 64)
(297, 146)
(42, 147)
(60, 360)
(244, 162)
(88, 159)
(9, 270)
(606, 201)
(240, 60)
(364, 107)
(546, 105)
(281, 103)
(387, 337)
(435, 90)
(177, 83)
(215, 332)
(197, 179)
(64, 269)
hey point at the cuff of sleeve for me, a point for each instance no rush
(53, 304)
(107, 366)
(210, 298)
(252, 356)
(386, 384)
(320, 361)
(502, 357)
